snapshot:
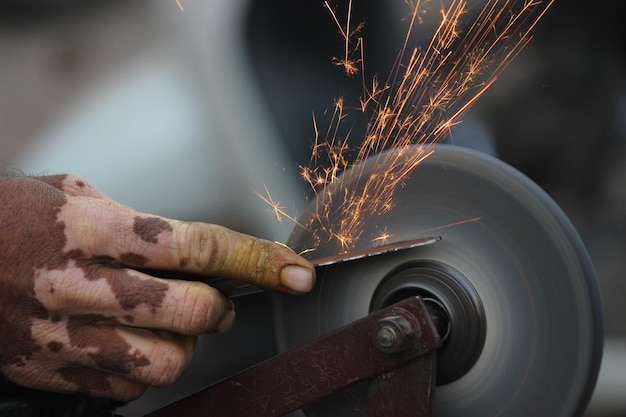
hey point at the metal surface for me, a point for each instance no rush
(407, 391)
(373, 251)
(331, 362)
(518, 258)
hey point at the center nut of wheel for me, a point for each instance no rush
(454, 306)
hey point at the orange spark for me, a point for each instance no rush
(446, 226)
(276, 208)
(349, 64)
(427, 91)
(180, 6)
(382, 238)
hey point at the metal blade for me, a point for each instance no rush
(373, 251)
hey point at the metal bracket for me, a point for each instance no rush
(394, 348)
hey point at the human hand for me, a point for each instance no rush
(79, 314)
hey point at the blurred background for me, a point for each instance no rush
(187, 114)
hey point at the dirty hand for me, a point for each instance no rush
(78, 312)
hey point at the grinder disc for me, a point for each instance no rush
(510, 272)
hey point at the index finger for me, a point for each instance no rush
(142, 240)
(214, 250)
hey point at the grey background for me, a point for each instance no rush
(195, 109)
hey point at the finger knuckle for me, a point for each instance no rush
(199, 245)
(124, 390)
(255, 260)
(197, 310)
(170, 363)
(75, 185)
(62, 290)
(207, 249)
(74, 182)
(263, 261)
(214, 313)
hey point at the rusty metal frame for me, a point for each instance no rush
(394, 348)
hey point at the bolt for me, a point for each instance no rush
(386, 336)
(390, 333)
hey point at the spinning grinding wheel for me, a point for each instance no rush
(509, 274)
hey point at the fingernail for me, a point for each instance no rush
(227, 322)
(297, 278)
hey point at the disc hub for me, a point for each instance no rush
(455, 309)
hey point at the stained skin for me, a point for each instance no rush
(149, 228)
(79, 309)
(107, 356)
(46, 251)
(18, 346)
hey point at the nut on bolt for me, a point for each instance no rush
(390, 333)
